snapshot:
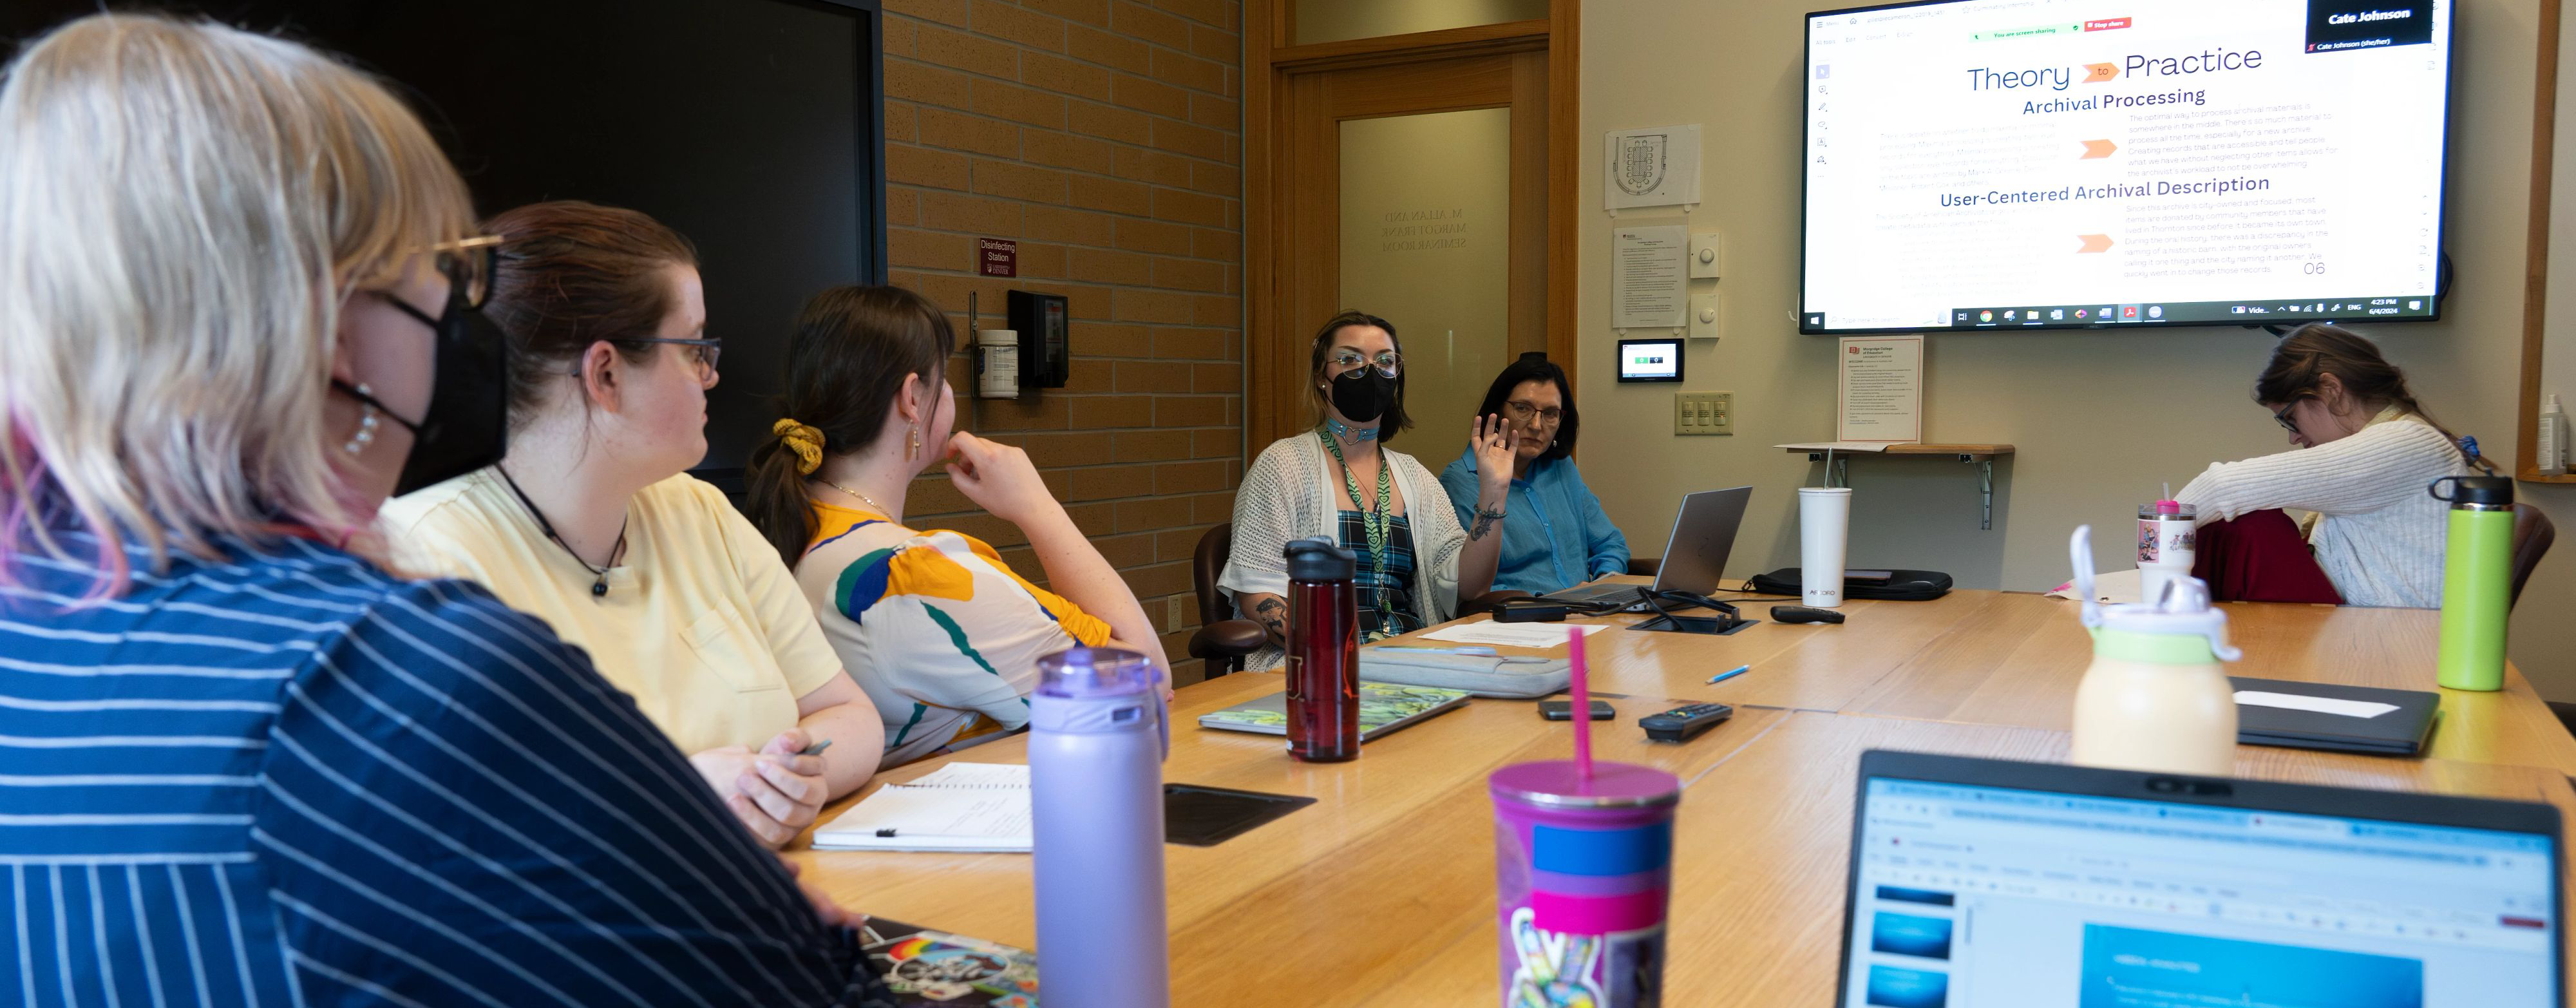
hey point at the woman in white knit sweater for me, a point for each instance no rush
(2366, 451)
(1339, 482)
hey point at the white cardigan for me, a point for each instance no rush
(2381, 538)
(1286, 495)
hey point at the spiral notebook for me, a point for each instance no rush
(1384, 707)
(960, 807)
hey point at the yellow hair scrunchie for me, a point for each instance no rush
(804, 440)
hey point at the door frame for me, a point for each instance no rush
(1271, 342)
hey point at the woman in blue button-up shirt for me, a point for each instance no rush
(1557, 536)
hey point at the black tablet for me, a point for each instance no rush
(1650, 360)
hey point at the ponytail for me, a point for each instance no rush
(774, 488)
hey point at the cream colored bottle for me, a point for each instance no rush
(2156, 697)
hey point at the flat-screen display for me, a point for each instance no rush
(2042, 164)
(753, 127)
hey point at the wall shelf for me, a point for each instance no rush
(1980, 455)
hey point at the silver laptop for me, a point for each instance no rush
(1980, 883)
(1695, 557)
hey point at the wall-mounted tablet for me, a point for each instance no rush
(1650, 360)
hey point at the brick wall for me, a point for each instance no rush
(1105, 137)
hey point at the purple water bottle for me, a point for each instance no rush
(1097, 738)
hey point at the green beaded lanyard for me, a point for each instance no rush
(1373, 520)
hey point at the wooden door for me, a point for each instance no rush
(1429, 176)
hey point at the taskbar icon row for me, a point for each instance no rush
(2245, 312)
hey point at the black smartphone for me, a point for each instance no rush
(1869, 576)
(1563, 710)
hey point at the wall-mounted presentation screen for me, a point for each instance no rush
(2036, 164)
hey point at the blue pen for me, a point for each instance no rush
(1724, 676)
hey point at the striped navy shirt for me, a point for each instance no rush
(288, 779)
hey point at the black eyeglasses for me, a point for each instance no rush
(707, 350)
(2282, 416)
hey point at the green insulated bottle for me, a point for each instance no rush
(2477, 580)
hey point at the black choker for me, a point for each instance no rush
(598, 588)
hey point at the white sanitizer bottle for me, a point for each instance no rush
(2552, 442)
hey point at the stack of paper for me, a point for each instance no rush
(961, 807)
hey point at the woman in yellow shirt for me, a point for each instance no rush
(593, 524)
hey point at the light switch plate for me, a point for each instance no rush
(1704, 316)
(1707, 255)
(1703, 413)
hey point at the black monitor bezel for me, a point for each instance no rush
(2452, 811)
(2441, 212)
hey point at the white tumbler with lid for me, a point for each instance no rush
(1824, 526)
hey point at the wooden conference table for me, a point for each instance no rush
(1382, 892)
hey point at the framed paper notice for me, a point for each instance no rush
(1880, 389)
(1650, 167)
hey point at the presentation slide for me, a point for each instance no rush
(2132, 968)
(1996, 164)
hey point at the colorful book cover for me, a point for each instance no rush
(935, 969)
(1382, 707)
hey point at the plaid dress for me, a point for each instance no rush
(1386, 600)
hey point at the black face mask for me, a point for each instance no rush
(1363, 395)
(467, 426)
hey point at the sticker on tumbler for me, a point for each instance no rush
(1555, 970)
(1635, 968)
(2151, 546)
(1585, 971)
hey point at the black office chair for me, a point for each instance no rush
(1221, 640)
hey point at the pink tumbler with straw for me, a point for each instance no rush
(1582, 871)
(1583, 856)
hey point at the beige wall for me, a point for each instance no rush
(2100, 419)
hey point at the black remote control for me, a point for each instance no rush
(1681, 724)
(1803, 614)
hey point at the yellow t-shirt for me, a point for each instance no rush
(702, 622)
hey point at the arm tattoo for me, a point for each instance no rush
(1484, 523)
(1273, 616)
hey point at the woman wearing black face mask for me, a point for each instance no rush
(1340, 482)
(247, 763)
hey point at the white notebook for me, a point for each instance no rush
(959, 807)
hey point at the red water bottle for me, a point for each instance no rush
(1323, 652)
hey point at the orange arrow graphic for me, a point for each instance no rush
(2094, 243)
(2101, 72)
(2097, 149)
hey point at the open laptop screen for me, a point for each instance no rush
(1969, 896)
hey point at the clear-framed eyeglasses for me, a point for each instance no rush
(1388, 363)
